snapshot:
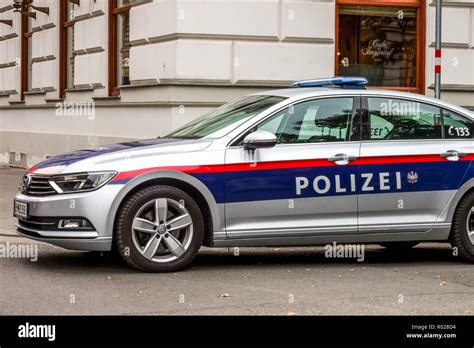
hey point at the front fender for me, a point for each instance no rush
(217, 211)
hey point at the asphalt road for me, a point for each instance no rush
(285, 281)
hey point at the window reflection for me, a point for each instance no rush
(379, 43)
(315, 121)
(396, 119)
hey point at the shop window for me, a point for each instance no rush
(381, 43)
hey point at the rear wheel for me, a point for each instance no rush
(159, 229)
(462, 234)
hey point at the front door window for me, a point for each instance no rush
(314, 121)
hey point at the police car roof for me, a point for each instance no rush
(307, 92)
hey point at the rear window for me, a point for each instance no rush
(457, 126)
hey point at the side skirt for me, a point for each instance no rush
(438, 233)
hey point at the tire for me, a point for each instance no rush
(399, 246)
(459, 238)
(159, 229)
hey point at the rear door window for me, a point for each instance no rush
(398, 119)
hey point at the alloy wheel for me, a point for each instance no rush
(162, 230)
(470, 225)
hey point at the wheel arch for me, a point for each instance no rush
(212, 215)
(450, 210)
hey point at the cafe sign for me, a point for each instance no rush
(378, 49)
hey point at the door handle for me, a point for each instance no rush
(342, 159)
(453, 155)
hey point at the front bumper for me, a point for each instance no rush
(93, 206)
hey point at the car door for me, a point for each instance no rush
(412, 164)
(305, 184)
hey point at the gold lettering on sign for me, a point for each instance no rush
(378, 49)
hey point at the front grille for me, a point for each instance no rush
(37, 185)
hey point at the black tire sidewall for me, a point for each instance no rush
(123, 233)
(461, 224)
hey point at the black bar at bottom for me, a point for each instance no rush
(196, 330)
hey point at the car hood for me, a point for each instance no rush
(108, 154)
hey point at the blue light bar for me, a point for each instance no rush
(340, 81)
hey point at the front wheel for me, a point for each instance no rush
(159, 229)
(462, 234)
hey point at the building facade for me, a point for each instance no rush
(83, 73)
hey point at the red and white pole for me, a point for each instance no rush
(438, 50)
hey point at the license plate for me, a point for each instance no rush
(20, 210)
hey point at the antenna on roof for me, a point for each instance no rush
(338, 81)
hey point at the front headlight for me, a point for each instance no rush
(80, 182)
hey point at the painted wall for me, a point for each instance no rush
(457, 53)
(187, 57)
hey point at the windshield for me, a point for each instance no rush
(227, 116)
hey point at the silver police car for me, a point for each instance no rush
(325, 161)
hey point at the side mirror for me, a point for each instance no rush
(259, 140)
